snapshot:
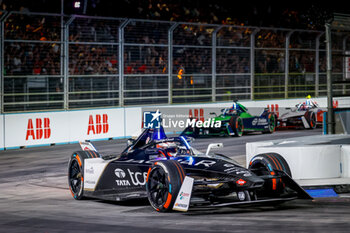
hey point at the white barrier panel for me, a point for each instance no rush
(307, 162)
(2, 132)
(71, 126)
(96, 124)
(36, 129)
(345, 161)
(133, 121)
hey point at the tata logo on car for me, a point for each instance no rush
(119, 173)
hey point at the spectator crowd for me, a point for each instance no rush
(32, 43)
(33, 47)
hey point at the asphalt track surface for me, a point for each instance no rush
(34, 197)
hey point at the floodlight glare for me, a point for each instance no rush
(77, 4)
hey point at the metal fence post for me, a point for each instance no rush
(344, 71)
(121, 60)
(170, 62)
(2, 58)
(286, 69)
(1, 64)
(66, 62)
(213, 63)
(252, 62)
(63, 47)
(330, 113)
(317, 65)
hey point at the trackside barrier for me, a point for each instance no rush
(46, 128)
(345, 158)
(2, 132)
(310, 158)
(133, 121)
(342, 121)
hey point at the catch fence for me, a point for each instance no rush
(62, 62)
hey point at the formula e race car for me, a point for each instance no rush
(303, 115)
(175, 176)
(235, 121)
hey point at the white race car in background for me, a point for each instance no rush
(305, 115)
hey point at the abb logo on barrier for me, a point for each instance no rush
(41, 131)
(98, 125)
(274, 108)
(197, 113)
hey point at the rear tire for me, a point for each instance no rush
(237, 126)
(271, 118)
(76, 174)
(311, 119)
(164, 180)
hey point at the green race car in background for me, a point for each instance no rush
(235, 121)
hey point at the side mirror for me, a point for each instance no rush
(130, 141)
(213, 113)
(214, 146)
(288, 108)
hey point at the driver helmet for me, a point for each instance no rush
(169, 147)
(233, 109)
(235, 106)
(310, 102)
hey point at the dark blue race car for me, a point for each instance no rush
(175, 176)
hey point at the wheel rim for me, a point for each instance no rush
(75, 177)
(158, 187)
(313, 120)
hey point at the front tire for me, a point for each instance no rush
(164, 180)
(267, 164)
